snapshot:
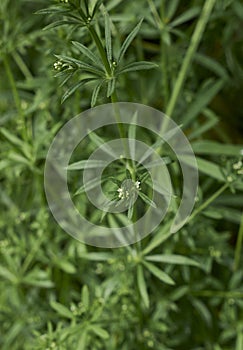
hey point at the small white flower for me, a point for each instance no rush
(120, 193)
(229, 178)
(137, 185)
(238, 165)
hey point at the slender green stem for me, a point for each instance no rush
(164, 65)
(238, 248)
(100, 49)
(164, 61)
(217, 294)
(13, 85)
(208, 201)
(195, 41)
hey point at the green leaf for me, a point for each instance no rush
(5, 273)
(161, 275)
(61, 23)
(91, 184)
(101, 143)
(212, 120)
(72, 89)
(216, 148)
(136, 66)
(211, 64)
(132, 137)
(202, 99)
(142, 286)
(202, 311)
(128, 41)
(186, 16)
(130, 211)
(238, 10)
(96, 7)
(88, 53)
(210, 169)
(23, 146)
(172, 259)
(61, 309)
(51, 11)
(100, 332)
(146, 199)
(37, 278)
(86, 5)
(87, 164)
(82, 342)
(66, 266)
(96, 93)
(97, 256)
(179, 293)
(108, 36)
(162, 235)
(171, 9)
(162, 161)
(111, 86)
(85, 297)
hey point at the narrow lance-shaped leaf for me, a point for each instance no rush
(88, 53)
(142, 286)
(87, 164)
(136, 66)
(172, 259)
(172, 7)
(202, 99)
(162, 235)
(108, 36)
(98, 141)
(128, 41)
(96, 7)
(95, 93)
(73, 88)
(161, 275)
(61, 309)
(111, 87)
(100, 332)
(186, 16)
(61, 23)
(85, 297)
(146, 199)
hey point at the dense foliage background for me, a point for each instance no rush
(57, 293)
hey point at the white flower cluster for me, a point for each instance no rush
(65, 1)
(59, 65)
(124, 193)
(238, 167)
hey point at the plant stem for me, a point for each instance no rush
(217, 294)
(100, 49)
(195, 41)
(164, 61)
(238, 247)
(15, 93)
(208, 201)
(106, 63)
(13, 85)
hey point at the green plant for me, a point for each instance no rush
(168, 291)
